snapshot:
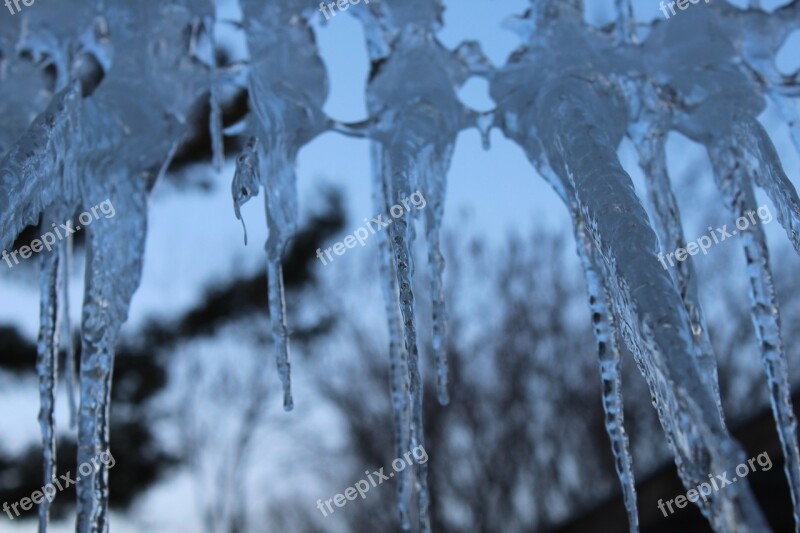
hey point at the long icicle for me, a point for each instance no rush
(399, 173)
(653, 320)
(280, 190)
(106, 304)
(652, 159)
(734, 181)
(398, 358)
(65, 263)
(280, 201)
(609, 359)
(277, 316)
(47, 370)
(435, 193)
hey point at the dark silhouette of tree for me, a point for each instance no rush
(140, 374)
(522, 445)
(522, 441)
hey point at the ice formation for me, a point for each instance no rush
(585, 90)
(116, 114)
(120, 81)
(287, 85)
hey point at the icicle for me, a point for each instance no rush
(215, 125)
(662, 340)
(734, 181)
(400, 175)
(65, 262)
(27, 170)
(609, 359)
(89, 148)
(484, 122)
(280, 186)
(573, 122)
(215, 118)
(415, 126)
(435, 193)
(286, 92)
(277, 315)
(652, 158)
(398, 358)
(47, 369)
(114, 245)
(281, 208)
(759, 154)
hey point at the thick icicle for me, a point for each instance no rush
(398, 358)
(47, 369)
(572, 120)
(609, 359)
(734, 181)
(113, 272)
(605, 196)
(732, 110)
(30, 178)
(98, 141)
(607, 334)
(129, 127)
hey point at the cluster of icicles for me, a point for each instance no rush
(125, 82)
